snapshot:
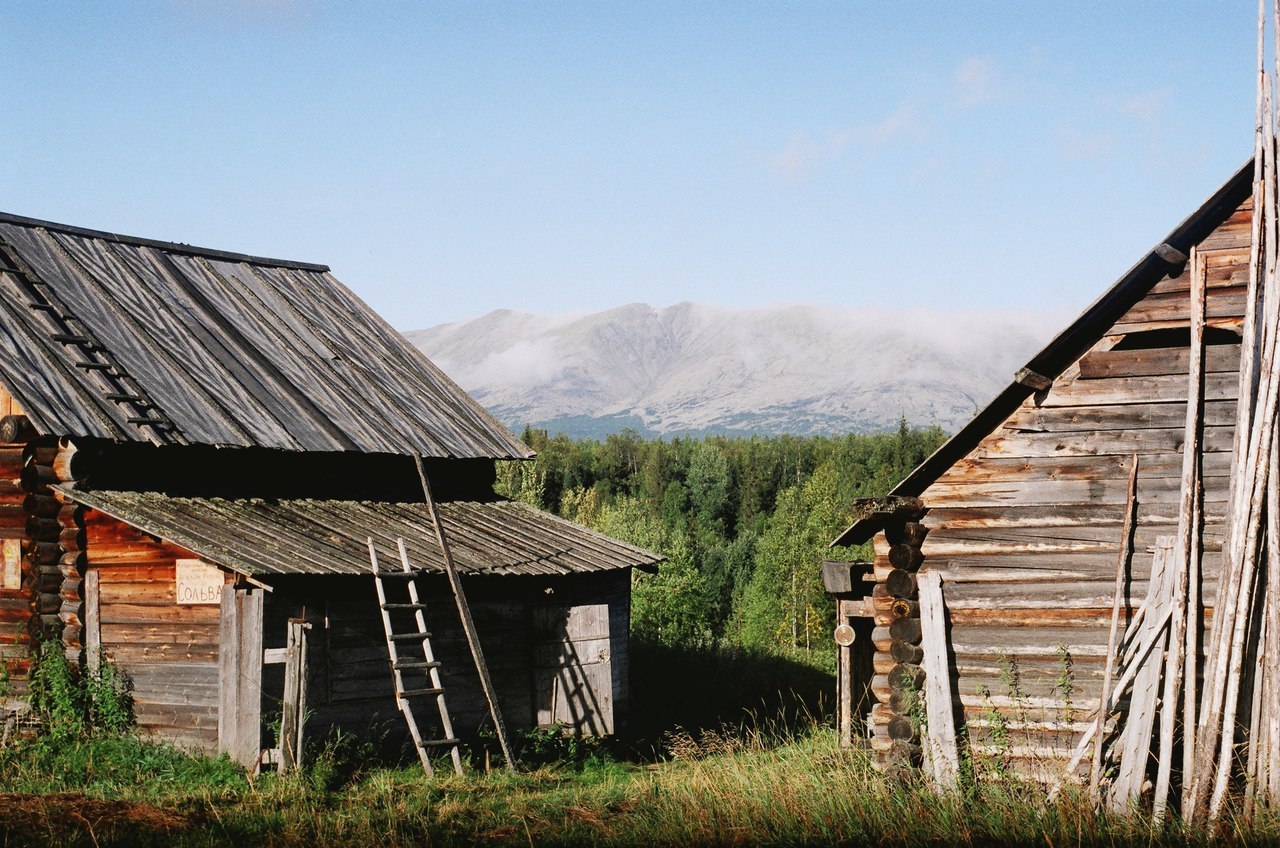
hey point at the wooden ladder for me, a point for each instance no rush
(427, 666)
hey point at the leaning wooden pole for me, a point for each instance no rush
(1184, 553)
(1122, 568)
(1215, 730)
(464, 613)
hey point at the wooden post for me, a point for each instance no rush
(240, 675)
(941, 742)
(294, 702)
(464, 615)
(92, 621)
(1185, 552)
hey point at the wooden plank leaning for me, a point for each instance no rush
(1139, 720)
(1154, 635)
(464, 614)
(939, 706)
(1122, 568)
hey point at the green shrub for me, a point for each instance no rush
(71, 703)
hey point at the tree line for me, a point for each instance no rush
(744, 522)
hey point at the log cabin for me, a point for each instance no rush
(1022, 512)
(198, 447)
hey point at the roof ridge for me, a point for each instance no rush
(175, 247)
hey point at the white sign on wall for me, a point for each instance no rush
(199, 582)
(12, 570)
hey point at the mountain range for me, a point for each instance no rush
(699, 369)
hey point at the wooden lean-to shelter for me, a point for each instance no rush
(1022, 513)
(198, 447)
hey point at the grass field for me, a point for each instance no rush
(744, 787)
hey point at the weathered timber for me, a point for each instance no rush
(905, 652)
(1218, 359)
(16, 428)
(901, 509)
(944, 754)
(905, 676)
(1129, 416)
(906, 630)
(906, 557)
(901, 584)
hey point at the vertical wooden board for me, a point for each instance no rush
(229, 674)
(944, 755)
(92, 620)
(240, 676)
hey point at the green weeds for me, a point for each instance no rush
(757, 785)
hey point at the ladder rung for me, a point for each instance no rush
(433, 743)
(42, 307)
(403, 575)
(135, 399)
(403, 664)
(404, 606)
(405, 637)
(94, 366)
(148, 422)
(410, 693)
(65, 338)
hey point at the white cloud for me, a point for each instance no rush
(1076, 145)
(802, 154)
(977, 82)
(798, 157)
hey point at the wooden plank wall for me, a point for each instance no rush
(350, 686)
(1026, 529)
(169, 651)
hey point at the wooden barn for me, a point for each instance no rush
(199, 447)
(1022, 513)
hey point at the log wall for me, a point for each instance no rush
(18, 582)
(168, 650)
(15, 569)
(1025, 530)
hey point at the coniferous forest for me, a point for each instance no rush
(744, 524)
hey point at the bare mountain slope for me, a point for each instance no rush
(697, 368)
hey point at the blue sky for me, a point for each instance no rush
(447, 159)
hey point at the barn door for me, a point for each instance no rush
(573, 669)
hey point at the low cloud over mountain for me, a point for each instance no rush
(692, 368)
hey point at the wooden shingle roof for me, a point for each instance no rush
(133, 340)
(258, 536)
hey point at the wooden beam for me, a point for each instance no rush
(1032, 380)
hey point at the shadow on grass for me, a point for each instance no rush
(692, 690)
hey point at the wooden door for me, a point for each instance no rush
(573, 669)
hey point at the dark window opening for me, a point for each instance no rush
(1175, 337)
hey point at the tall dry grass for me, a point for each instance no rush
(749, 785)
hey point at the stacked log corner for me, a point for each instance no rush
(15, 600)
(53, 547)
(899, 676)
